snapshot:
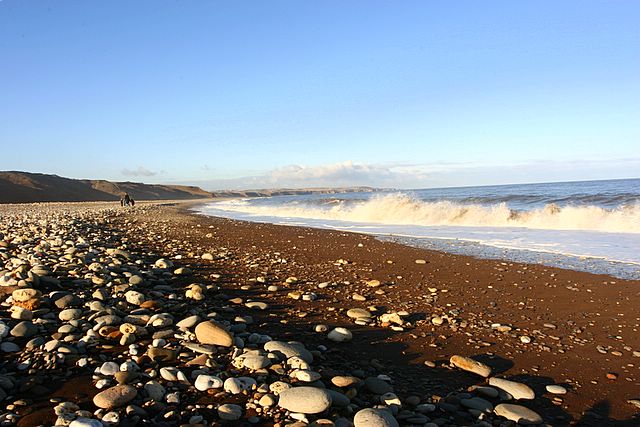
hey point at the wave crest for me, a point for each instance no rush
(402, 209)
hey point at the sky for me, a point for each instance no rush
(257, 94)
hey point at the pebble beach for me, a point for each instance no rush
(157, 316)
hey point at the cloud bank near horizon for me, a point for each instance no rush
(425, 175)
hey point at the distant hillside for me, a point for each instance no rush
(26, 187)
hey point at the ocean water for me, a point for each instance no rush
(589, 226)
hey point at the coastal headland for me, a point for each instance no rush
(157, 315)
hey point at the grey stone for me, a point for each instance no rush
(515, 389)
(306, 400)
(518, 413)
(24, 329)
(115, 397)
(370, 417)
(289, 349)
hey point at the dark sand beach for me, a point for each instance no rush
(531, 324)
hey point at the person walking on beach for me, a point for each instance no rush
(125, 200)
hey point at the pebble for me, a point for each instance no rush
(25, 294)
(155, 390)
(370, 417)
(515, 389)
(518, 413)
(229, 412)
(556, 389)
(9, 347)
(356, 313)
(134, 297)
(206, 382)
(85, 422)
(344, 380)
(210, 332)
(289, 349)
(377, 385)
(115, 397)
(470, 365)
(238, 385)
(24, 329)
(305, 400)
(340, 335)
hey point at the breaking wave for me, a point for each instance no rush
(402, 209)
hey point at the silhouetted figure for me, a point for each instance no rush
(126, 200)
(133, 202)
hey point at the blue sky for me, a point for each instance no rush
(292, 93)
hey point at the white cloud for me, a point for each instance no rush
(140, 171)
(341, 174)
(428, 175)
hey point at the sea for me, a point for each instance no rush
(591, 226)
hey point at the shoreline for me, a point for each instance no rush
(581, 326)
(627, 270)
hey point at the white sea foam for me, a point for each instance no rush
(402, 209)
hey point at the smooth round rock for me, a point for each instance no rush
(377, 386)
(109, 368)
(556, 389)
(205, 382)
(289, 349)
(518, 413)
(188, 322)
(515, 389)
(67, 301)
(230, 412)
(134, 297)
(24, 329)
(85, 422)
(238, 385)
(255, 361)
(340, 335)
(344, 380)
(305, 400)
(115, 397)
(356, 313)
(25, 294)
(9, 347)
(70, 314)
(370, 417)
(477, 403)
(155, 390)
(210, 332)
